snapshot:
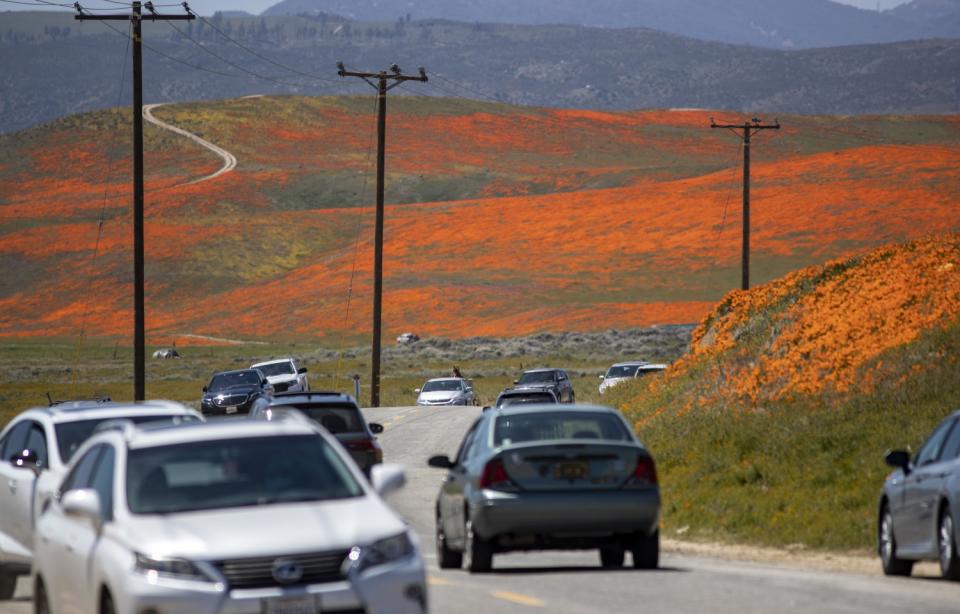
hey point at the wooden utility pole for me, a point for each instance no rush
(748, 130)
(397, 77)
(139, 337)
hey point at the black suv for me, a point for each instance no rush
(234, 392)
(554, 380)
(334, 411)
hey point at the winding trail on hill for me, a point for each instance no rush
(229, 160)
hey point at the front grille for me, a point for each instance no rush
(318, 568)
(281, 387)
(233, 399)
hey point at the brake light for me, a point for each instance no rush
(366, 445)
(645, 472)
(495, 476)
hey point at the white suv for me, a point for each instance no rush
(284, 375)
(226, 516)
(34, 450)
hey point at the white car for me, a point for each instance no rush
(284, 375)
(624, 371)
(238, 516)
(35, 448)
(446, 391)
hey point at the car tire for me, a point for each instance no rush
(887, 546)
(947, 546)
(41, 605)
(446, 558)
(8, 585)
(479, 551)
(612, 556)
(646, 551)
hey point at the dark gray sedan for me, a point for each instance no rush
(920, 505)
(535, 477)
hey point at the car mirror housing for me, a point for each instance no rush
(302, 370)
(440, 461)
(376, 428)
(515, 382)
(83, 503)
(416, 391)
(388, 478)
(26, 459)
(204, 388)
(899, 459)
(601, 377)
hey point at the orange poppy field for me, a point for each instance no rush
(500, 220)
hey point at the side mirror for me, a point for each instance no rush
(441, 461)
(601, 377)
(387, 478)
(302, 370)
(376, 428)
(486, 408)
(204, 388)
(83, 503)
(416, 391)
(26, 459)
(515, 382)
(899, 459)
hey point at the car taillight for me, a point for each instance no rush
(645, 473)
(361, 445)
(495, 476)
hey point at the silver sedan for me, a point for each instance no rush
(535, 477)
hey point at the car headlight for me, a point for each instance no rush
(383, 551)
(178, 569)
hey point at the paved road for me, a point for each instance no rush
(574, 583)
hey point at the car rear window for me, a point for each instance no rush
(71, 435)
(244, 472)
(526, 399)
(336, 419)
(547, 426)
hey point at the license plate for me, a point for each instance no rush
(304, 604)
(570, 471)
(230, 409)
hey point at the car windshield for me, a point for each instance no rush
(537, 377)
(525, 399)
(71, 435)
(622, 370)
(548, 426)
(277, 368)
(236, 473)
(336, 419)
(442, 385)
(222, 381)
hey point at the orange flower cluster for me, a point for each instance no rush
(816, 329)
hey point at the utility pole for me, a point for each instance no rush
(136, 17)
(397, 77)
(748, 130)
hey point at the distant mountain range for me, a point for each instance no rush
(55, 66)
(781, 24)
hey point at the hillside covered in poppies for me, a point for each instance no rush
(501, 220)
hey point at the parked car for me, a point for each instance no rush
(338, 413)
(919, 509)
(284, 374)
(234, 392)
(556, 380)
(405, 338)
(526, 396)
(446, 391)
(227, 516)
(625, 371)
(535, 477)
(34, 450)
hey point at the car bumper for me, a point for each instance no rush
(446, 402)
(218, 410)
(395, 587)
(587, 513)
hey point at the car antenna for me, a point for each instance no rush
(50, 399)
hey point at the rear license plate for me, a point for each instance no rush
(304, 604)
(570, 471)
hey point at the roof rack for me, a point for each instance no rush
(94, 400)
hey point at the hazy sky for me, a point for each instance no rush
(209, 7)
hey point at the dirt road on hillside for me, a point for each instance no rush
(229, 160)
